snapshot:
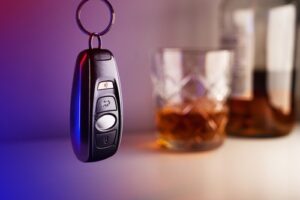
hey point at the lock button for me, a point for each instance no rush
(106, 139)
(106, 104)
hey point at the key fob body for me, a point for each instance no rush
(96, 106)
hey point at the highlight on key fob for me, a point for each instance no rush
(96, 104)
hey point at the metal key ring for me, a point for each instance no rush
(111, 20)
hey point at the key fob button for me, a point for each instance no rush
(106, 139)
(105, 85)
(104, 56)
(106, 104)
(105, 122)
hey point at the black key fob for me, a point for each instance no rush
(96, 106)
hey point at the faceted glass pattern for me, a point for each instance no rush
(191, 88)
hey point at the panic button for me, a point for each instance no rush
(106, 139)
(105, 85)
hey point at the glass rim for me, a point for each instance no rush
(194, 50)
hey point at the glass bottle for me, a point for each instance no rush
(262, 34)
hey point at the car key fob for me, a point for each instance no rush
(96, 104)
(96, 107)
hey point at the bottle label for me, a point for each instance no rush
(280, 56)
(242, 76)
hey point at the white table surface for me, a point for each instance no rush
(241, 169)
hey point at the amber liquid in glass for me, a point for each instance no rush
(195, 125)
(258, 117)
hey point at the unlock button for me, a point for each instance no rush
(106, 139)
(106, 104)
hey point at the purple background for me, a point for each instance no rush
(40, 42)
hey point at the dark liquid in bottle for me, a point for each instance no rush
(258, 117)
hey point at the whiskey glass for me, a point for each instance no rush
(191, 88)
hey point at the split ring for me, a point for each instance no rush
(93, 34)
